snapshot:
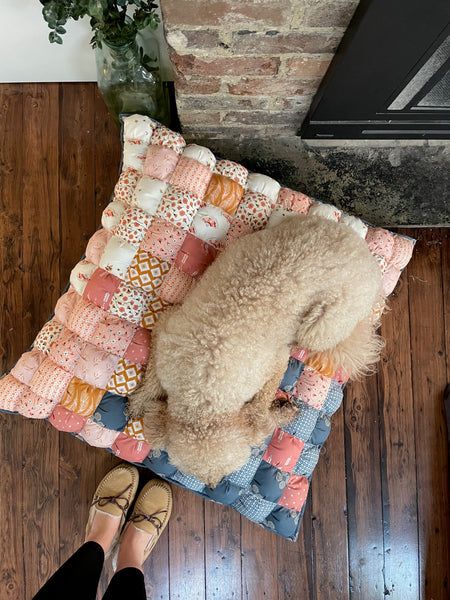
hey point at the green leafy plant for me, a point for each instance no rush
(112, 21)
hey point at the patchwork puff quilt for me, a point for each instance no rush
(174, 208)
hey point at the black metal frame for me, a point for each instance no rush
(385, 45)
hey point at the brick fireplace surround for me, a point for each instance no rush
(247, 71)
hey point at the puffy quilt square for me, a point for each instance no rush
(225, 493)
(47, 335)
(295, 493)
(175, 286)
(27, 365)
(125, 378)
(312, 388)
(269, 482)
(192, 176)
(133, 226)
(291, 375)
(253, 507)
(163, 239)
(113, 335)
(284, 521)
(165, 137)
(50, 381)
(153, 310)
(148, 194)
(11, 391)
(147, 271)
(101, 288)
(67, 349)
(81, 398)
(124, 188)
(178, 207)
(295, 201)
(321, 431)
(117, 256)
(158, 462)
(160, 162)
(195, 256)
(237, 229)
(303, 424)
(134, 152)
(224, 193)
(95, 366)
(65, 306)
(33, 406)
(189, 481)
(135, 429)
(96, 245)
(81, 274)
(111, 412)
(254, 210)
(233, 170)
(129, 303)
(243, 476)
(334, 398)
(84, 318)
(98, 436)
(283, 451)
(210, 224)
(66, 420)
(138, 350)
(130, 449)
(112, 214)
(308, 460)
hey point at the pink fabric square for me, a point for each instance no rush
(95, 366)
(98, 436)
(66, 420)
(390, 279)
(96, 245)
(175, 286)
(312, 388)
(124, 189)
(129, 303)
(254, 210)
(295, 201)
(50, 381)
(163, 136)
(402, 251)
(233, 170)
(160, 162)
(192, 176)
(283, 451)
(27, 365)
(295, 493)
(101, 288)
(65, 306)
(139, 349)
(113, 334)
(163, 240)
(178, 207)
(237, 230)
(33, 406)
(133, 225)
(11, 391)
(67, 349)
(380, 242)
(85, 318)
(131, 449)
(47, 335)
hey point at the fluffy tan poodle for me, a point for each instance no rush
(217, 359)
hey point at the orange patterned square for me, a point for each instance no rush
(135, 429)
(125, 378)
(82, 398)
(224, 192)
(154, 310)
(147, 271)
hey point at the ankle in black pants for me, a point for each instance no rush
(78, 577)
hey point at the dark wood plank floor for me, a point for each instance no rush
(378, 520)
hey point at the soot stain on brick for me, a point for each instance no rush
(390, 186)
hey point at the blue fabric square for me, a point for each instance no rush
(321, 431)
(303, 424)
(111, 412)
(243, 476)
(158, 461)
(308, 460)
(334, 398)
(269, 482)
(253, 507)
(226, 492)
(188, 481)
(293, 371)
(284, 522)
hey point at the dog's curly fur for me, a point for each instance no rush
(217, 360)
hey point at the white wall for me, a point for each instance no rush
(27, 55)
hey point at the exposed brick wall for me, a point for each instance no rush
(253, 66)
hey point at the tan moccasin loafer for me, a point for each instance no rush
(114, 495)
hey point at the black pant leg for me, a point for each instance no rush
(77, 578)
(126, 583)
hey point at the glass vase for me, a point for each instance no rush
(129, 78)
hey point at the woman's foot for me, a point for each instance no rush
(148, 520)
(110, 505)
